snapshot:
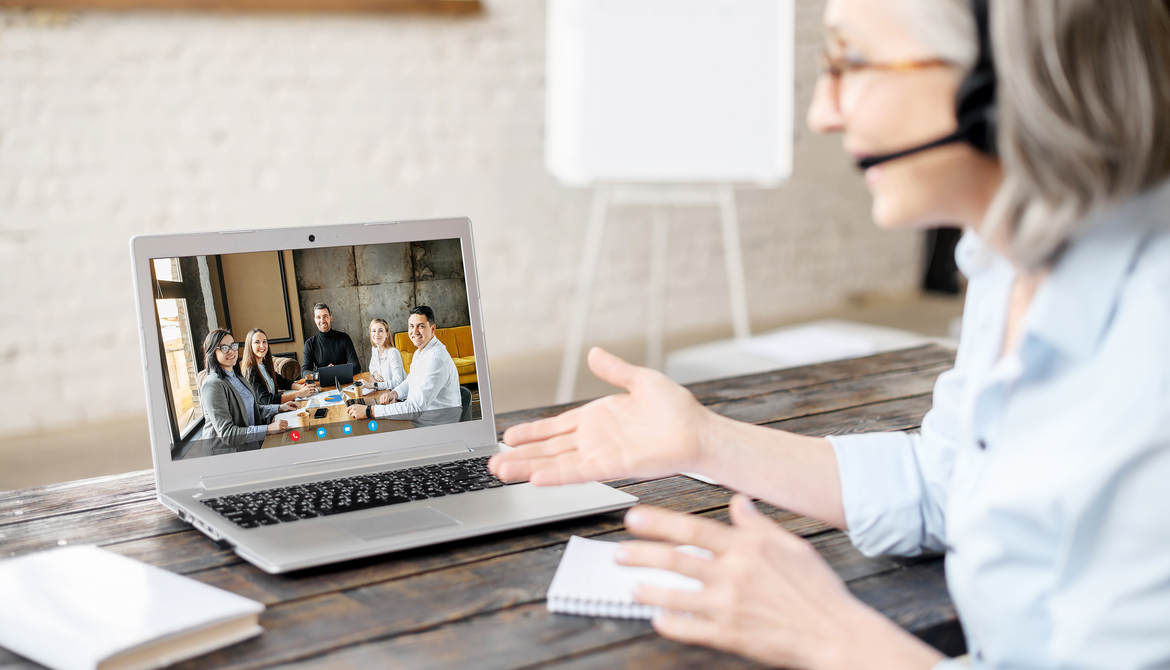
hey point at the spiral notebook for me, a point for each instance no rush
(590, 582)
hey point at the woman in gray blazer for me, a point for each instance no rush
(235, 420)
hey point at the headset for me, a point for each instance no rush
(974, 102)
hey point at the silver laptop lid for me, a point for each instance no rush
(188, 286)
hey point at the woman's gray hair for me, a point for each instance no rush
(946, 27)
(1084, 115)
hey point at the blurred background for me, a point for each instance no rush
(119, 123)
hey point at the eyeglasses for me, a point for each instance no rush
(224, 348)
(836, 66)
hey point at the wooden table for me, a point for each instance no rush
(480, 603)
(305, 431)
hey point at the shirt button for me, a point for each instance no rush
(983, 445)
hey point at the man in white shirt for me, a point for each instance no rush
(429, 396)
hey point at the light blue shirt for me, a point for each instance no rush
(1044, 474)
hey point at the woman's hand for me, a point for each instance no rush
(278, 426)
(656, 428)
(289, 407)
(767, 595)
(306, 390)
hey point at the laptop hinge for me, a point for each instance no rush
(327, 465)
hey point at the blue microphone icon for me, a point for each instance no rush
(373, 426)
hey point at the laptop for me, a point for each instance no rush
(327, 488)
(335, 375)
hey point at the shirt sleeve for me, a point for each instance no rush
(310, 359)
(397, 370)
(403, 389)
(420, 398)
(894, 485)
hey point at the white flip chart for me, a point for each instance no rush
(669, 91)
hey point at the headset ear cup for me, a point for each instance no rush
(975, 109)
(975, 100)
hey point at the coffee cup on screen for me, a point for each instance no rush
(302, 418)
(358, 388)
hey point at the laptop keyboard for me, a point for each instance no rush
(351, 494)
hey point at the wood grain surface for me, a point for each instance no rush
(480, 603)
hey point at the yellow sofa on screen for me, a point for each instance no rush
(458, 343)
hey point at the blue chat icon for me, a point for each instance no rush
(347, 429)
(373, 426)
(320, 432)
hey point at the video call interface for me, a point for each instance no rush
(306, 346)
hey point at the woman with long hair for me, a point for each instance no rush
(259, 370)
(1042, 466)
(386, 367)
(234, 415)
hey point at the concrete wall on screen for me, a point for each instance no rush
(385, 281)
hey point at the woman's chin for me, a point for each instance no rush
(887, 215)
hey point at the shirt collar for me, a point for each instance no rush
(1074, 306)
(429, 345)
(973, 256)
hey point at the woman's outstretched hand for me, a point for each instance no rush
(654, 429)
(767, 594)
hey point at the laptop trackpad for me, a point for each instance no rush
(396, 523)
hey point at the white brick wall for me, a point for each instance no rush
(115, 124)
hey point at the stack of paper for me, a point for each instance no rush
(84, 608)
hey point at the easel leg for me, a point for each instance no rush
(656, 314)
(733, 253)
(586, 278)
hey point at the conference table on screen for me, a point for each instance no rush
(335, 420)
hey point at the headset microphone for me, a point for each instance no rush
(974, 103)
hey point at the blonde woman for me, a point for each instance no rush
(1041, 470)
(386, 367)
(259, 370)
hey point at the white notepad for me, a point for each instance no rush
(84, 608)
(590, 582)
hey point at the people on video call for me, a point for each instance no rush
(328, 347)
(233, 413)
(259, 370)
(430, 393)
(386, 368)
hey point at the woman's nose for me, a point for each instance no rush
(823, 114)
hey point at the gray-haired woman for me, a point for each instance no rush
(236, 422)
(1042, 468)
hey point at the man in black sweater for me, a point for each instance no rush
(329, 347)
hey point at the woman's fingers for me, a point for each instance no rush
(666, 557)
(567, 468)
(659, 524)
(543, 429)
(693, 602)
(610, 368)
(688, 629)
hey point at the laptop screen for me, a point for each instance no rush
(248, 341)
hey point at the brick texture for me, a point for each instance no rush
(116, 124)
